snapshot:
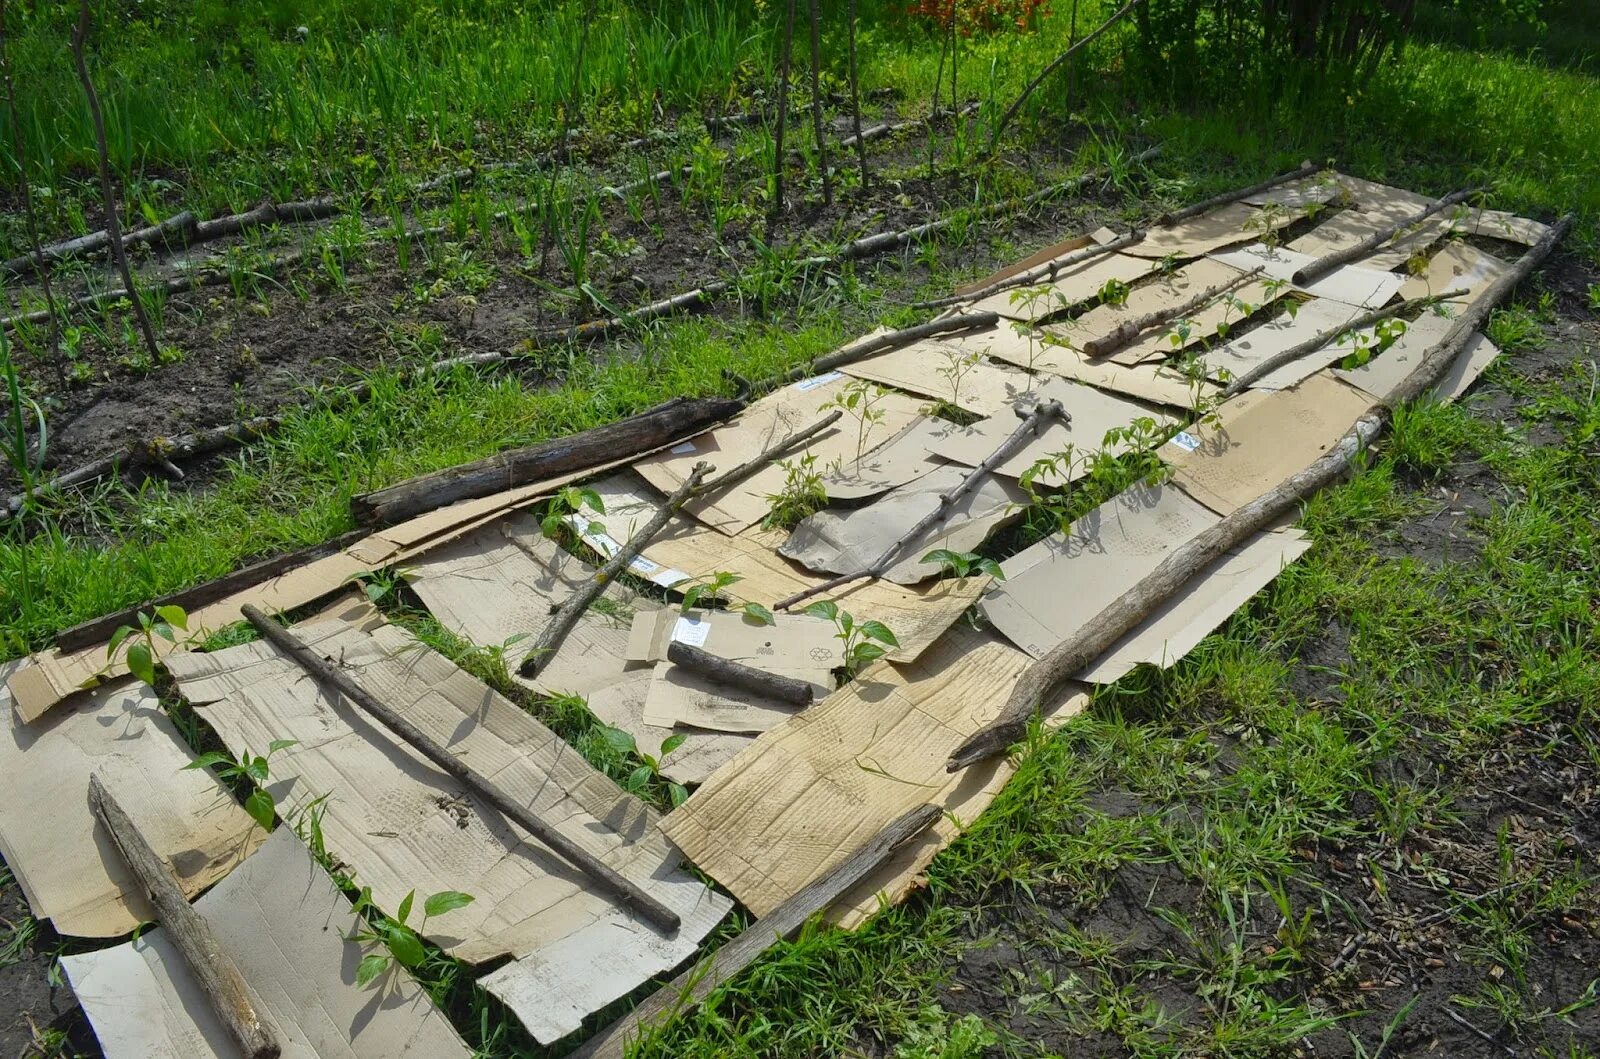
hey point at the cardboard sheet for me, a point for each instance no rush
(903, 458)
(620, 704)
(285, 925)
(946, 373)
(1283, 332)
(764, 423)
(1373, 197)
(1176, 287)
(1498, 224)
(794, 641)
(1455, 266)
(626, 504)
(66, 864)
(916, 614)
(1093, 413)
(1380, 375)
(1353, 284)
(1145, 382)
(1349, 227)
(1226, 225)
(1262, 437)
(1072, 286)
(1320, 188)
(680, 697)
(1049, 253)
(402, 824)
(806, 793)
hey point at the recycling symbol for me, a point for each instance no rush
(820, 654)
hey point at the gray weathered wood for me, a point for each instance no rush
(191, 935)
(332, 675)
(694, 985)
(787, 690)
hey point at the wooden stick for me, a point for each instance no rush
(1317, 341)
(1167, 220)
(692, 986)
(1055, 63)
(1156, 587)
(173, 228)
(786, 690)
(778, 157)
(1040, 274)
(1328, 262)
(855, 95)
(1129, 330)
(567, 615)
(816, 105)
(332, 675)
(772, 452)
(213, 970)
(1032, 422)
(661, 425)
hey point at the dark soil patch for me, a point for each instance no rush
(30, 1006)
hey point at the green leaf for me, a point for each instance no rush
(945, 557)
(877, 630)
(867, 652)
(759, 614)
(370, 967)
(116, 639)
(174, 615)
(825, 608)
(592, 499)
(403, 913)
(672, 742)
(206, 760)
(638, 779)
(550, 526)
(280, 744)
(677, 794)
(692, 596)
(445, 901)
(617, 739)
(141, 663)
(406, 946)
(261, 807)
(163, 630)
(992, 568)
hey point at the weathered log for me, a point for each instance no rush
(174, 230)
(332, 675)
(661, 425)
(787, 690)
(213, 970)
(1188, 559)
(1325, 264)
(1129, 330)
(567, 615)
(695, 984)
(1195, 209)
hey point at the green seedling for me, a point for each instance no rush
(639, 780)
(570, 501)
(802, 495)
(255, 769)
(963, 565)
(860, 400)
(164, 622)
(710, 590)
(402, 944)
(863, 643)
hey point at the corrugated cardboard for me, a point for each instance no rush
(1455, 266)
(916, 614)
(1075, 284)
(1319, 188)
(680, 697)
(946, 373)
(803, 795)
(287, 928)
(1353, 284)
(1350, 227)
(1262, 437)
(794, 641)
(627, 503)
(1049, 253)
(903, 458)
(765, 423)
(848, 540)
(402, 824)
(1224, 226)
(1093, 414)
(1498, 224)
(1380, 375)
(1283, 332)
(621, 705)
(1373, 197)
(1146, 382)
(65, 862)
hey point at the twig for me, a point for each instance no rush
(1055, 63)
(333, 675)
(1328, 262)
(772, 452)
(1492, 1038)
(567, 615)
(786, 690)
(1194, 209)
(816, 104)
(1129, 330)
(1032, 423)
(855, 96)
(778, 157)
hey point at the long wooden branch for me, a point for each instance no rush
(1155, 588)
(1317, 341)
(566, 616)
(692, 986)
(1055, 64)
(772, 452)
(1195, 209)
(1129, 330)
(1311, 272)
(332, 675)
(786, 690)
(1033, 421)
(213, 970)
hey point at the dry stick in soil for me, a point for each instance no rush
(113, 225)
(1129, 330)
(1155, 588)
(1195, 209)
(1328, 262)
(213, 970)
(695, 984)
(855, 94)
(20, 155)
(175, 229)
(1032, 423)
(816, 104)
(1055, 63)
(787, 690)
(332, 675)
(778, 157)
(567, 615)
(1317, 341)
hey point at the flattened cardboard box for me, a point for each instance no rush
(401, 824)
(1283, 332)
(944, 373)
(1073, 285)
(1353, 284)
(903, 458)
(287, 928)
(1262, 437)
(795, 641)
(1045, 351)
(1350, 227)
(1380, 375)
(1457, 265)
(680, 697)
(1226, 225)
(66, 863)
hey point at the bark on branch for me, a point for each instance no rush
(787, 690)
(1325, 264)
(1129, 330)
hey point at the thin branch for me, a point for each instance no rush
(1328, 262)
(855, 96)
(787, 690)
(778, 157)
(1129, 330)
(816, 104)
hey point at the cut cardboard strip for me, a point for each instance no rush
(1224, 226)
(621, 705)
(1380, 375)
(1373, 197)
(945, 373)
(1093, 414)
(402, 824)
(1498, 224)
(1288, 329)
(903, 458)
(679, 697)
(1318, 188)
(794, 641)
(1072, 286)
(1458, 265)
(1350, 227)
(1067, 246)
(764, 424)
(798, 799)
(284, 924)
(1261, 438)
(847, 541)
(1145, 382)
(1352, 284)
(916, 614)
(66, 863)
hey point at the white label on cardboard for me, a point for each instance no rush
(818, 380)
(669, 577)
(691, 630)
(1185, 441)
(640, 565)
